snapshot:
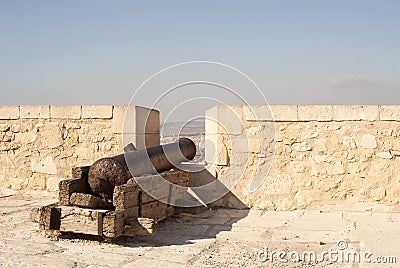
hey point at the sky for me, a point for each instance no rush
(297, 52)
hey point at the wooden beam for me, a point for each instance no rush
(113, 224)
(49, 217)
(89, 201)
(81, 220)
(126, 196)
(80, 172)
(67, 187)
(154, 210)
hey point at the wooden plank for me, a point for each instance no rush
(67, 187)
(153, 187)
(113, 224)
(131, 212)
(49, 217)
(81, 220)
(126, 196)
(89, 201)
(154, 210)
(139, 227)
(80, 172)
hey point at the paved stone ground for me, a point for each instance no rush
(215, 238)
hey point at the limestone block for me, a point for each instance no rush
(355, 112)
(37, 182)
(276, 113)
(216, 151)
(35, 112)
(86, 153)
(141, 141)
(384, 155)
(278, 184)
(97, 111)
(9, 112)
(305, 198)
(135, 119)
(45, 166)
(4, 127)
(306, 134)
(72, 138)
(368, 141)
(315, 112)
(52, 184)
(389, 112)
(17, 183)
(301, 146)
(245, 144)
(285, 204)
(15, 128)
(319, 158)
(26, 137)
(338, 168)
(23, 171)
(224, 119)
(297, 166)
(284, 112)
(378, 193)
(50, 136)
(66, 112)
(349, 142)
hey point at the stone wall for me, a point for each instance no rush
(324, 154)
(40, 144)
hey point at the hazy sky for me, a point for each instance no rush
(99, 52)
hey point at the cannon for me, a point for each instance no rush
(106, 173)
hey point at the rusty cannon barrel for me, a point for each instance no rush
(106, 173)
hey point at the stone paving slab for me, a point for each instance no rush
(214, 238)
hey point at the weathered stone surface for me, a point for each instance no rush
(317, 159)
(225, 119)
(35, 112)
(46, 166)
(52, 184)
(368, 141)
(309, 135)
(135, 119)
(271, 113)
(338, 168)
(97, 111)
(315, 112)
(389, 112)
(301, 146)
(385, 155)
(9, 112)
(284, 112)
(65, 112)
(216, 151)
(355, 112)
(50, 136)
(37, 182)
(46, 148)
(378, 193)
